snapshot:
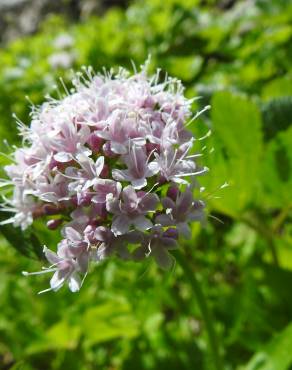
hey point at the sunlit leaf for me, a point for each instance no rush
(237, 140)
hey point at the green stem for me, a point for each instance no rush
(206, 314)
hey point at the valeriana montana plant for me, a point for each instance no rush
(110, 166)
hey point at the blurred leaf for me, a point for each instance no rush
(185, 68)
(61, 335)
(277, 116)
(278, 87)
(26, 242)
(109, 321)
(276, 171)
(277, 355)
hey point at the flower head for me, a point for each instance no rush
(95, 165)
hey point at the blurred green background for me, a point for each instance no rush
(236, 55)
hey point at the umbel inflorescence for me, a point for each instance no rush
(110, 165)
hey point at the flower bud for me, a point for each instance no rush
(171, 233)
(105, 172)
(54, 224)
(95, 142)
(50, 209)
(173, 193)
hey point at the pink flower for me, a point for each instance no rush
(157, 244)
(104, 189)
(65, 270)
(119, 131)
(69, 142)
(180, 212)
(132, 210)
(109, 243)
(139, 168)
(97, 164)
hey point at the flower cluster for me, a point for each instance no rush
(109, 164)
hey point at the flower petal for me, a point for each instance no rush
(139, 183)
(142, 223)
(51, 256)
(63, 157)
(74, 283)
(121, 175)
(184, 229)
(163, 258)
(164, 220)
(57, 280)
(120, 225)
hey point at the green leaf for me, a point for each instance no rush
(237, 141)
(276, 171)
(61, 335)
(279, 87)
(109, 321)
(26, 242)
(277, 116)
(184, 68)
(277, 355)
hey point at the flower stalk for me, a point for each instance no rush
(206, 313)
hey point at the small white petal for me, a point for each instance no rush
(139, 183)
(74, 283)
(118, 148)
(63, 157)
(56, 282)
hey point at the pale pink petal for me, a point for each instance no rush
(184, 202)
(74, 283)
(120, 225)
(149, 202)
(121, 175)
(184, 230)
(164, 220)
(139, 183)
(72, 234)
(168, 203)
(129, 195)
(57, 280)
(163, 258)
(99, 164)
(118, 148)
(142, 223)
(51, 256)
(152, 169)
(63, 157)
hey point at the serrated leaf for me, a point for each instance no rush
(237, 140)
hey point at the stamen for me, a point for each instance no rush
(25, 273)
(205, 169)
(207, 107)
(205, 136)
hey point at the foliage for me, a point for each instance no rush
(129, 316)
